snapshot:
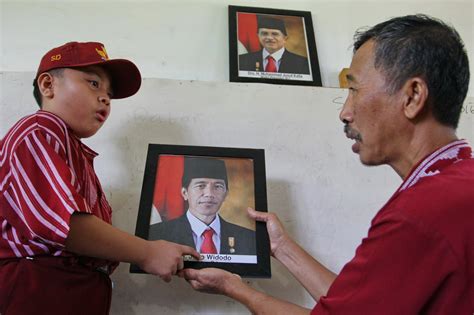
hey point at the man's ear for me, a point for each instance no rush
(184, 193)
(416, 94)
(45, 84)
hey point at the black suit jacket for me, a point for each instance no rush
(290, 62)
(179, 231)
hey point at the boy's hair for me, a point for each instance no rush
(36, 92)
(419, 45)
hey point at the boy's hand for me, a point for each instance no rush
(164, 258)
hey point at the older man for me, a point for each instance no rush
(407, 83)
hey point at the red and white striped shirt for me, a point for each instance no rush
(46, 174)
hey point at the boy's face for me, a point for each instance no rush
(81, 97)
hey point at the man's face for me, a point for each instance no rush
(205, 196)
(271, 39)
(81, 99)
(373, 116)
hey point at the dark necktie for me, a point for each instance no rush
(271, 65)
(208, 246)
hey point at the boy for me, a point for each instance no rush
(57, 245)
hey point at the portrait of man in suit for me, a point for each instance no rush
(204, 188)
(274, 56)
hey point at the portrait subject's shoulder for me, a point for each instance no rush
(293, 55)
(251, 55)
(163, 229)
(237, 229)
(248, 61)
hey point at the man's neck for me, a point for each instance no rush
(277, 52)
(426, 139)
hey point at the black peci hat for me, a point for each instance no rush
(264, 21)
(203, 167)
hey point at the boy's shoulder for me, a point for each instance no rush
(48, 124)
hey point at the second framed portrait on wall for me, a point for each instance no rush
(272, 46)
(198, 196)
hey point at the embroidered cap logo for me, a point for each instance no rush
(55, 58)
(102, 53)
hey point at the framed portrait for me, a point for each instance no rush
(198, 196)
(272, 46)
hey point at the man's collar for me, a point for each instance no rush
(276, 55)
(199, 227)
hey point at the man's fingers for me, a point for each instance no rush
(257, 215)
(234, 274)
(166, 278)
(189, 274)
(194, 284)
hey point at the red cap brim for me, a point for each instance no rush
(125, 77)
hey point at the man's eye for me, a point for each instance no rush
(94, 83)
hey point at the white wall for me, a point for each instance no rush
(188, 40)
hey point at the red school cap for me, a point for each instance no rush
(125, 76)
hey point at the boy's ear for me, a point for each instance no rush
(45, 84)
(416, 95)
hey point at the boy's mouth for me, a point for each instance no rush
(101, 115)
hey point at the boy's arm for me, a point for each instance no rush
(90, 236)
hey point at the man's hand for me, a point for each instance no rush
(217, 281)
(276, 231)
(211, 280)
(165, 259)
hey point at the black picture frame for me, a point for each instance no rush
(238, 161)
(243, 22)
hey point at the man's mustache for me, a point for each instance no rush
(351, 133)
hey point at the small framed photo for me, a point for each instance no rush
(198, 196)
(272, 46)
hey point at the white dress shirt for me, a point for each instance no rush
(198, 227)
(276, 55)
